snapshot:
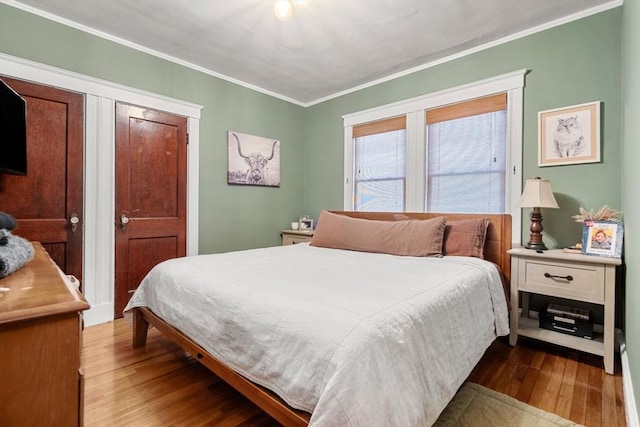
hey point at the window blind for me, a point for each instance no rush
(380, 159)
(380, 126)
(488, 104)
(466, 149)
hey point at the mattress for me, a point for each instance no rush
(356, 339)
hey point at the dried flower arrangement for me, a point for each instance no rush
(605, 213)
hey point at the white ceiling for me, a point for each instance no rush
(328, 47)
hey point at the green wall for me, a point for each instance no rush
(631, 183)
(579, 62)
(576, 63)
(571, 64)
(231, 217)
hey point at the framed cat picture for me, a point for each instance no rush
(569, 135)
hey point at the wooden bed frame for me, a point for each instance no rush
(498, 242)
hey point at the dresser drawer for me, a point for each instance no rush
(579, 281)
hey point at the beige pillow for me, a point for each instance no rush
(408, 238)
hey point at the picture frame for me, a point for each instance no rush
(602, 238)
(252, 160)
(569, 135)
(305, 223)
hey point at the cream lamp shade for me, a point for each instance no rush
(537, 194)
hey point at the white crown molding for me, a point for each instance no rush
(565, 20)
(129, 44)
(570, 18)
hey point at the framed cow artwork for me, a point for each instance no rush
(252, 160)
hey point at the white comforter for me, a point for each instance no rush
(358, 339)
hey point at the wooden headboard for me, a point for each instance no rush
(497, 243)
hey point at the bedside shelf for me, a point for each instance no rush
(528, 327)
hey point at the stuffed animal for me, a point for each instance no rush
(14, 254)
(15, 251)
(7, 222)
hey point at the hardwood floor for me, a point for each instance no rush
(157, 385)
(160, 385)
(568, 383)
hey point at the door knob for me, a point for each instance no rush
(124, 220)
(74, 220)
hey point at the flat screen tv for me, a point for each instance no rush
(13, 131)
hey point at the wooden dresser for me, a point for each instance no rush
(40, 343)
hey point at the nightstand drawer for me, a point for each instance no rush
(292, 237)
(578, 281)
(292, 240)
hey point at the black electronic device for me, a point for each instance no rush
(13, 131)
(567, 321)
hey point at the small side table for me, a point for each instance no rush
(291, 237)
(565, 275)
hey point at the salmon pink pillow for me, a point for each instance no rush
(465, 237)
(408, 238)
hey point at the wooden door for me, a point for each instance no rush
(44, 201)
(151, 176)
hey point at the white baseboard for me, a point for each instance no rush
(97, 314)
(627, 386)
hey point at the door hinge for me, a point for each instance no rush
(187, 138)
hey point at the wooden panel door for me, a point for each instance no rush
(151, 176)
(44, 201)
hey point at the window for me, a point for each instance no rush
(458, 150)
(466, 156)
(379, 170)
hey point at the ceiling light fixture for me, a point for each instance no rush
(283, 9)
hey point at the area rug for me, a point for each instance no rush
(476, 406)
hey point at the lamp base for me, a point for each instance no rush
(537, 246)
(535, 236)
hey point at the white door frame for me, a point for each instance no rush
(99, 169)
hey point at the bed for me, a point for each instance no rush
(331, 336)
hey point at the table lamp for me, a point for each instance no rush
(537, 194)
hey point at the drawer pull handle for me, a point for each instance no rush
(553, 276)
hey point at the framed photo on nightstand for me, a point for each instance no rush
(306, 223)
(602, 238)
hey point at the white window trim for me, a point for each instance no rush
(414, 110)
(99, 169)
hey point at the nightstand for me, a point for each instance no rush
(291, 237)
(565, 275)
